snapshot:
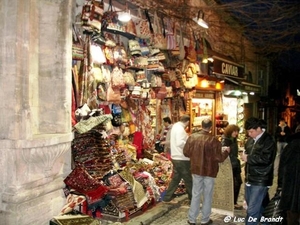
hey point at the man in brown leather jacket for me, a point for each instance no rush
(205, 153)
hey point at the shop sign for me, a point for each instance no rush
(204, 95)
(209, 84)
(227, 68)
(251, 88)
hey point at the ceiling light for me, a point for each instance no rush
(124, 17)
(211, 59)
(199, 20)
(204, 83)
(237, 93)
(204, 60)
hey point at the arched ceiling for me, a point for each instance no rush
(272, 26)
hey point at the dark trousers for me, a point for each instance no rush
(237, 182)
(181, 170)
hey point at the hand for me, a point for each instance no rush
(244, 157)
(226, 148)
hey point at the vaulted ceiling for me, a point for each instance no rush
(272, 26)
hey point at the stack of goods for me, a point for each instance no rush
(92, 152)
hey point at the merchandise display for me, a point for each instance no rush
(128, 81)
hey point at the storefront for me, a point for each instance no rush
(238, 96)
(205, 102)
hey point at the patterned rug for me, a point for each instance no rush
(223, 191)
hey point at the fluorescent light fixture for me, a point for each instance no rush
(237, 93)
(211, 59)
(206, 60)
(199, 20)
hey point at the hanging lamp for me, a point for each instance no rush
(199, 19)
(124, 16)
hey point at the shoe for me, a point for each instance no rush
(191, 223)
(173, 201)
(238, 207)
(209, 222)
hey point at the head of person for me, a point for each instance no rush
(167, 121)
(282, 122)
(206, 124)
(231, 131)
(255, 126)
(185, 119)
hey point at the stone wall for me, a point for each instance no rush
(35, 83)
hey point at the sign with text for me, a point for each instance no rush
(227, 68)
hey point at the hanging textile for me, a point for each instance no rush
(82, 77)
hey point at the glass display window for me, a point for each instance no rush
(200, 110)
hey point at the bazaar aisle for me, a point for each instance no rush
(165, 214)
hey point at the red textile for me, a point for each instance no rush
(138, 141)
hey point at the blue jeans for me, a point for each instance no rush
(254, 196)
(202, 186)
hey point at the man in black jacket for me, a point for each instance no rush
(260, 153)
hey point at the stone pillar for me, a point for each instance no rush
(35, 106)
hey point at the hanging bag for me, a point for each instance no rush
(97, 54)
(191, 54)
(101, 91)
(156, 81)
(113, 94)
(77, 45)
(117, 79)
(130, 29)
(162, 92)
(129, 78)
(181, 45)
(171, 36)
(198, 47)
(110, 20)
(143, 26)
(120, 54)
(159, 38)
(91, 16)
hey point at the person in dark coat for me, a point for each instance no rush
(259, 156)
(289, 179)
(283, 131)
(229, 138)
